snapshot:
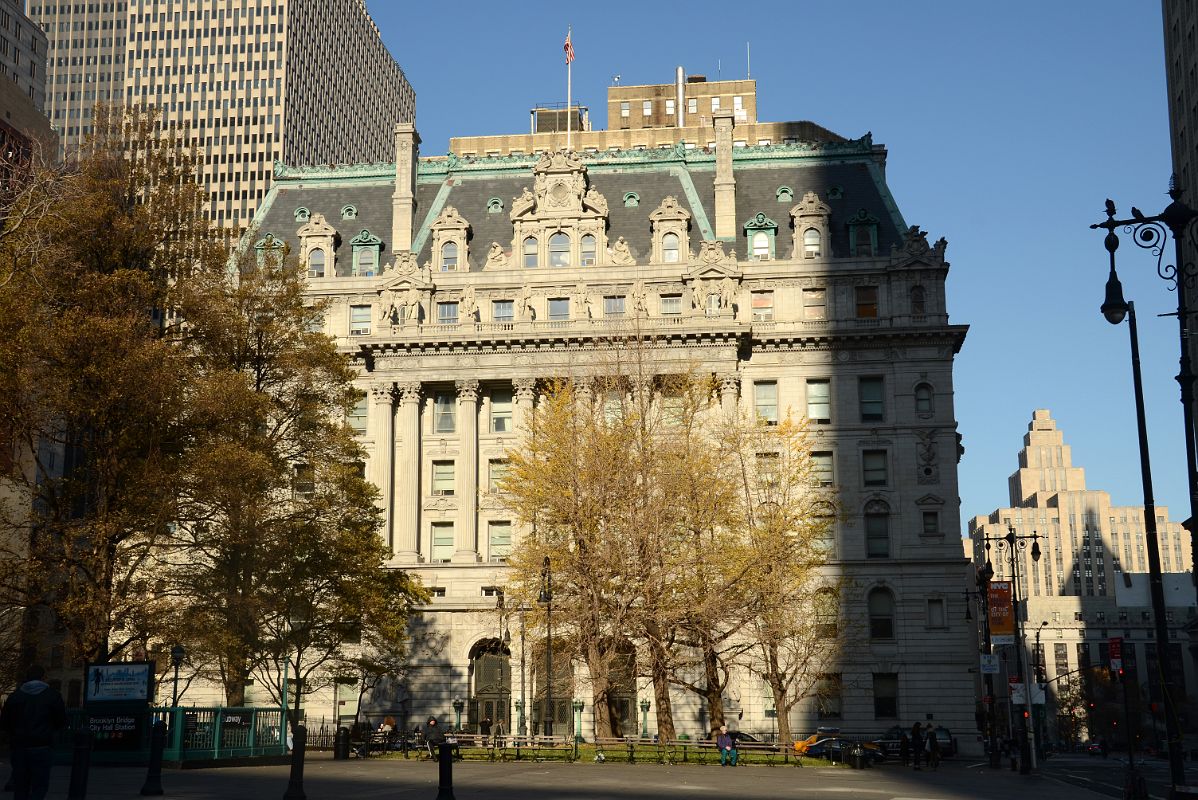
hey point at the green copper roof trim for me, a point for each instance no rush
(692, 199)
(434, 211)
(896, 216)
(334, 171)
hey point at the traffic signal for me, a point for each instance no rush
(1025, 714)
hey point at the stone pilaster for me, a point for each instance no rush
(725, 183)
(382, 432)
(408, 459)
(729, 392)
(466, 528)
(524, 393)
(403, 201)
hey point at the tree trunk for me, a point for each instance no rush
(713, 689)
(658, 669)
(782, 709)
(597, 664)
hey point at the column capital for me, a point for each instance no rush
(468, 390)
(526, 389)
(729, 382)
(410, 392)
(382, 392)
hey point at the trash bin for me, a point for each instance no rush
(341, 744)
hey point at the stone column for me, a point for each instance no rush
(725, 183)
(408, 461)
(524, 392)
(466, 528)
(382, 431)
(729, 391)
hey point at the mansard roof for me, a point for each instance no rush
(845, 175)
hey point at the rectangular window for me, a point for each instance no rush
(692, 105)
(613, 306)
(869, 394)
(497, 469)
(499, 539)
(815, 304)
(931, 523)
(873, 468)
(819, 401)
(669, 108)
(359, 320)
(444, 413)
(357, 416)
(867, 302)
(503, 310)
(646, 108)
(624, 110)
(877, 536)
(447, 313)
(765, 401)
(763, 306)
(827, 692)
(501, 411)
(715, 104)
(305, 480)
(936, 617)
(822, 472)
(443, 478)
(885, 695)
(559, 308)
(442, 542)
(671, 305)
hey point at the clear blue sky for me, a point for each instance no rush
(1007, 125)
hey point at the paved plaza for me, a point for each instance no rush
(326, 779)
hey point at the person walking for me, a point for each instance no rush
(904, 749)
(933, 747)
(30, 717)
(726, 746)
(916, 744)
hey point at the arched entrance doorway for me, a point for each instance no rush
(490, 685)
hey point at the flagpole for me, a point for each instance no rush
(569, 84)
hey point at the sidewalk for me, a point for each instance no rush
(326, 779)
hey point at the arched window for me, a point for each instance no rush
(761, 246)
(923, 399)
(785, 194)
(919, 303)
(881, 614)
(588, 250)
(559, 250)
(366, 261)
(316, 263)
(449, 257)
(863, 244)
(530, 251)
(811, 243)
(494, 205)
(877, 529)
(302, 214)
(669, 248)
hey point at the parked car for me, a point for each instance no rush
(740, 737)
(822, 732)
(1093, 748)
(837, 748)
(889, 741)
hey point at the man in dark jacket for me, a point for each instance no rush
(30, 717)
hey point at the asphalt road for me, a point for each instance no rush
(1109, 775)
(326, 779)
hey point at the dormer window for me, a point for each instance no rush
(863, 233)
(559, 250)
(669, 248)
(811, 242)
(366, 247)
(632, 200)
(495, 206)
(316, 264)
(269, 250)
(761, 246)
(302, 214)
(589, 250)
(760, 231)
(349, 212)
(449, 257)
(810, 220)
(529, 251)
(784, 193)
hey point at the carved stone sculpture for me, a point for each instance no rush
(496, 257)
(621, 255)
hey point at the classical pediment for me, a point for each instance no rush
(929, 500)
(559, 190)
(713, 262)
(316, 227)
(669, 210)
(916, 252)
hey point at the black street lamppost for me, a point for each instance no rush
(546, 597)
(1151, 233)
(1115, 308)
(1038, 677)
(984, 574)
(177, 656)
(1011, 542)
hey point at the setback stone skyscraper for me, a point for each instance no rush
(251, 81)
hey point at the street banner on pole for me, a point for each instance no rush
(989, 664)
(1116, 648)
(1002, 613)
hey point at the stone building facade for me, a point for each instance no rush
(1091, 582)
(252, 83)
(460, 284)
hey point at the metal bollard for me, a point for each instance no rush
(341, 744)
(153, 785)
(295, 786)
(81, 758)
(445, 772)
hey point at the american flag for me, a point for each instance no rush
(569, 48)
